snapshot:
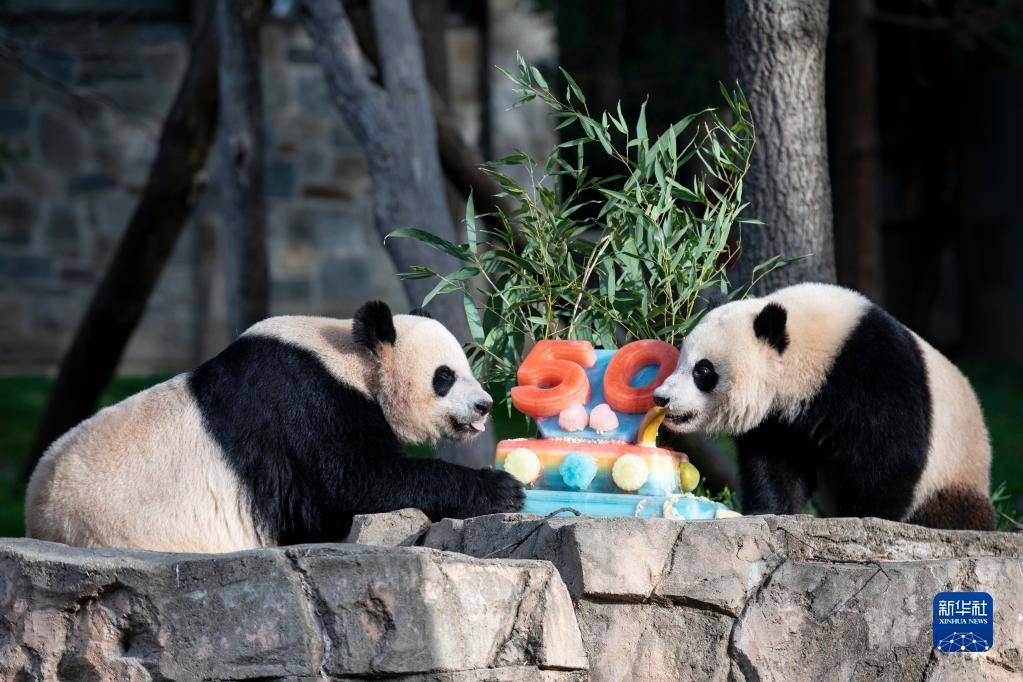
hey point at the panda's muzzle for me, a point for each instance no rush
(681, 417)
(477, 422)
(468, 427)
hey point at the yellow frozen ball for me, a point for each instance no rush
(523, 464)
(630, 472)
(688, 476)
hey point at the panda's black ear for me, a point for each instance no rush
(373, 325)
(420, 312)
(769, 325)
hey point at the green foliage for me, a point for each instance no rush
(1006, 516)
(724, 496)
(608, 259)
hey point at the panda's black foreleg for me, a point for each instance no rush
(438, 488)
(775, 471)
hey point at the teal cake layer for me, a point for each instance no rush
(686, 507)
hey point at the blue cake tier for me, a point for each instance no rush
(686, 507)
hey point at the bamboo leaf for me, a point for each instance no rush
(470, 223)
(432, 240)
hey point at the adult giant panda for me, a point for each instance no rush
(829, 394)
(279, 439)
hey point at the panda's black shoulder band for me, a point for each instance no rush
(769, 325)
(373, 325)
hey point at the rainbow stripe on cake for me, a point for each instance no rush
(563, 464)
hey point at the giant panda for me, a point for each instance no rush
(280, 439)
(828, 395)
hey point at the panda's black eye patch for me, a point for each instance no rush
(443, 380)
(704, 376)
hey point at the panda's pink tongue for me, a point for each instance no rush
(480, 425)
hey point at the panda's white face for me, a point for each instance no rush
(427, 390)
(725, 375)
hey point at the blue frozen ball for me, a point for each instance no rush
(578, 470)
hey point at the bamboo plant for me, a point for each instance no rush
(606, 259)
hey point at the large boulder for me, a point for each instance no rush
(308, 611)
(767, 597)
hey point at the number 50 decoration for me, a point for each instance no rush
(553, 376)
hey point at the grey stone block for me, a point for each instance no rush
(347, 277)
(788, 597)
(24, 266)
(279, 179)
(83, 184)
(654, 641)
(290, 289)
(419, 611)
(17, 217)
(301, 56)
(59, 141)
(393, 529)
(14, 119)
(292, 613)
(61, 233)
(312, 94)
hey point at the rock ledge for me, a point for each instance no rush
(297, 612)
(770, 597)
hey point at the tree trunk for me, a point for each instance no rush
(431, 20)
(857, 163)
(461, 164)
(397, 131)
(240, 161)
(147, 242)
(459, 160)
(777, 53)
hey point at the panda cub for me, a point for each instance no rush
(280, 439)
(829, 395)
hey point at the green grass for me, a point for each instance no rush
(999, 386)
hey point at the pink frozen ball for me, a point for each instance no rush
(573, 417)
(603, 418)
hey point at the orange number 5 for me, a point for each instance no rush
(552, 377)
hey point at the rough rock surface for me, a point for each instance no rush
(298, 612)
(768, 597)
(757, 598)
(394, 529)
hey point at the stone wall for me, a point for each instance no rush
(338, 611)
(63, 207)
(759, 598)
(763, 598)
(83, 117)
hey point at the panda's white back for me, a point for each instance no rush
(823, 316)
(144, 474)
(960, 448)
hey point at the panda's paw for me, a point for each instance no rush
(500, 493)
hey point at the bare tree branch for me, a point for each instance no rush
(397, 131)
(240, 133)
(461, 163)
